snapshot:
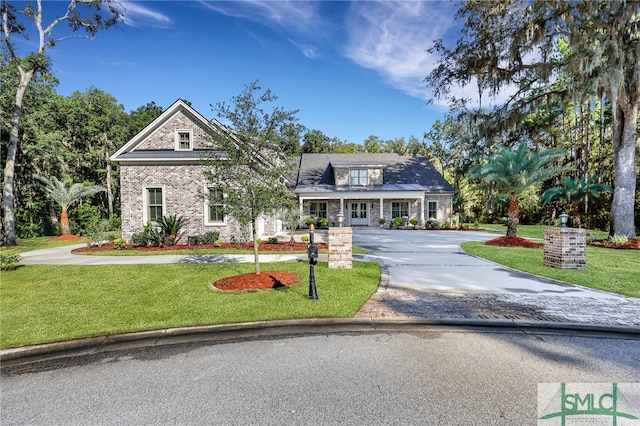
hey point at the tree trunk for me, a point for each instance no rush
(64, 221)
(625, 118)
(256, 257)
(512, 218)
(8, 198)
(109, 192)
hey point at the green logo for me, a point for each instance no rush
(584, 401)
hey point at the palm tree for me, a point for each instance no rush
(512, 171)
(574, 191)
(65, 194)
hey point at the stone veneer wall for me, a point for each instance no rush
(565, 248)
(340, 248)
(183, 187)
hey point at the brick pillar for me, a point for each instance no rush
(565, 248)
(340, 247)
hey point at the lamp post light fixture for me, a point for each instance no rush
(312, 252)
(563, 219)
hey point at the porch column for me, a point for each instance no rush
(342, 206)
(422, 221)
(301, 201)
(381, 208)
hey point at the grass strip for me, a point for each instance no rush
(44, 303)
(615, 271)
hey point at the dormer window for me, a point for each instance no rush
(184, 140)
(359, 177)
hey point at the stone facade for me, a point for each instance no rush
(183, 189)
(164, 137)
(565, 248)
(340, 248)
(443, 212)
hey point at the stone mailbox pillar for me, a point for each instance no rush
(565, 248)
(340, 254)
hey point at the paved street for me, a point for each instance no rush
(441, 376)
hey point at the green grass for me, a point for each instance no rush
(30, 244)
(198, 251)
(530, 231)
(42, 303)
(615, 271)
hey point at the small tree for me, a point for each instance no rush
(251, 172)
(65, 194)
(574, 191)
(513, 171)
(291, 218)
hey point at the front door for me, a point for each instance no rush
(359, 213)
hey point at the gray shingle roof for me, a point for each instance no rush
(317, 169)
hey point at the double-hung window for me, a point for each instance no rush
(184, 140)
(359, 177)
(318, 209)
(432, 210)
(399, 209)
(214, 207)
(154, 204)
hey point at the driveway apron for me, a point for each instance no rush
(430, 276)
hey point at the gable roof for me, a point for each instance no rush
(399, 171)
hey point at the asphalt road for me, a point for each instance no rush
(443, 376)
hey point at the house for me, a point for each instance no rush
(162, 173)
(360, 189)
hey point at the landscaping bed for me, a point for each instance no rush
(263, 247)
(262, 281)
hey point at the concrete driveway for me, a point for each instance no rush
(433, 261)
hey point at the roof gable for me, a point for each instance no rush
(159, 135)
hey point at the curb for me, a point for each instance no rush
(265, 330)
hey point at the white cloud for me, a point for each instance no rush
(391, 37)
(136, 15)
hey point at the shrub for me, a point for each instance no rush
(413, 222)
(171, 226)
(396, 221)
(273, 240)
(447, 225)
(209, 237)
(309, 221)
(148, 237)
(323, 222)
(218, 243)
(97, 231)
(9, 262)
(120, 243)
(619, 240)
(431, 224)
(305, 238)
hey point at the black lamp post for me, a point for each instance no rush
(312, 252)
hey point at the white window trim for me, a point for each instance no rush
(326, 204)
(177, 139)
(145, 201)
(359, 176)
(400, 201)
(207, 222)
(427, 209)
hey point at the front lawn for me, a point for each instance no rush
(615, 271)
(43, 303)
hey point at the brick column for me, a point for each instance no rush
(340, 247)
(565, 248)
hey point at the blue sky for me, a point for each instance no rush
(353, 69)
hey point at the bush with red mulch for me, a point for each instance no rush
(263, 247)
(262, 281)
(513, 242)
(632, 244)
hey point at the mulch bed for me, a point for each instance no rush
(632, 244)
(262, 281)
(513, 242)
(262, 248)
